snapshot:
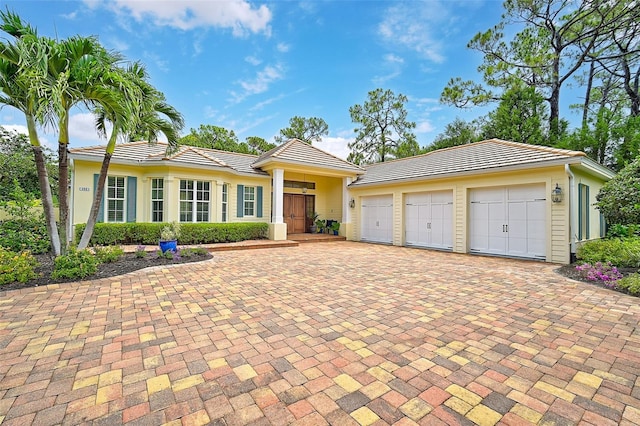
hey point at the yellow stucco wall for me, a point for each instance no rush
(328, 193)
(594, 214)
(557, 216)
(83, 190)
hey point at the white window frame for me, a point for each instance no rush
(196, 194)
(249, 198)
(113, 196)
(155, 199)
(225, 202)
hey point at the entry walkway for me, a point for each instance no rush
(337, 333)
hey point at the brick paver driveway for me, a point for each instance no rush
(341, 333)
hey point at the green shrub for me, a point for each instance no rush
(140, 252)
(619, 198)
(25, 234)
(192, 251)
(623, 253)
(108, 254)
(109, 234)
(75, 264)
(18, 267)
(630, 284)
(622, 231)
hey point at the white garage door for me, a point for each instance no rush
(508, 221)
(429, 219)
(377, 219)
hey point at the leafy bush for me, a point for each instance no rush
(619, 199)
(631, 284)
(623, 231)
(108, 254)
(192, 251)
(25, 234)
(141, 252)
(18, 267)
(624, 253)
(109, 234)
(75, 264)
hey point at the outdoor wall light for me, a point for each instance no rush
(352, 203)
(556, 194)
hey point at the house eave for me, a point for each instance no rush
(523, 166)
(169, 163)
(270, 164)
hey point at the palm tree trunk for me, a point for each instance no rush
(95, 206)
(97, 197)
(63, 180)
(45, 188)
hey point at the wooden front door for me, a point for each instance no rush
(294, 213)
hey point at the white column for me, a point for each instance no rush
(346, 197)
(277, 206)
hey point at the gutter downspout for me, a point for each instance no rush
(572, 217)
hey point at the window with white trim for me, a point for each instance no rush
(195, 200)
(115, 199)
(157, 200)
(225, 201)
(583, 212)
(249, 200)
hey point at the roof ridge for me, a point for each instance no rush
(545, 148)
(206, 155)
(336, 157)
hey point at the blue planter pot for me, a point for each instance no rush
(169, 245)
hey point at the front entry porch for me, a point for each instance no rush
(314, 238)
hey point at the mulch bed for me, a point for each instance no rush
(570, 271)
(125, 264)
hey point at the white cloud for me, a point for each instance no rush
(82, 127)
(380, 80)
(337, 146)
(412, 26)
(394, 64)
(283, 47)
(118, 44)
(161, 62)
(266, 102)
(424, 127)
(255, 122)
(260, 83)
(22, 129)
(390, 57)
(253, 60)
(238, 15)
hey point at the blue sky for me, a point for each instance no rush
(251, 66)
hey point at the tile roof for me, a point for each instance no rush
(145, 153)
(298, 152)
(485, 155)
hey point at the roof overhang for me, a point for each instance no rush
(597, 169)
(167, 163)
(301, 167)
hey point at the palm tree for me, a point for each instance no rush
(147, 115)
(79, 69)
(16, 92)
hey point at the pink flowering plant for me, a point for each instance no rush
(602, 272)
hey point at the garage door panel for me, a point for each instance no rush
(429, 219)
(512, 221)
(377, 219)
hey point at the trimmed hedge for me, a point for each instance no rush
(109, 234)
(621, 252)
